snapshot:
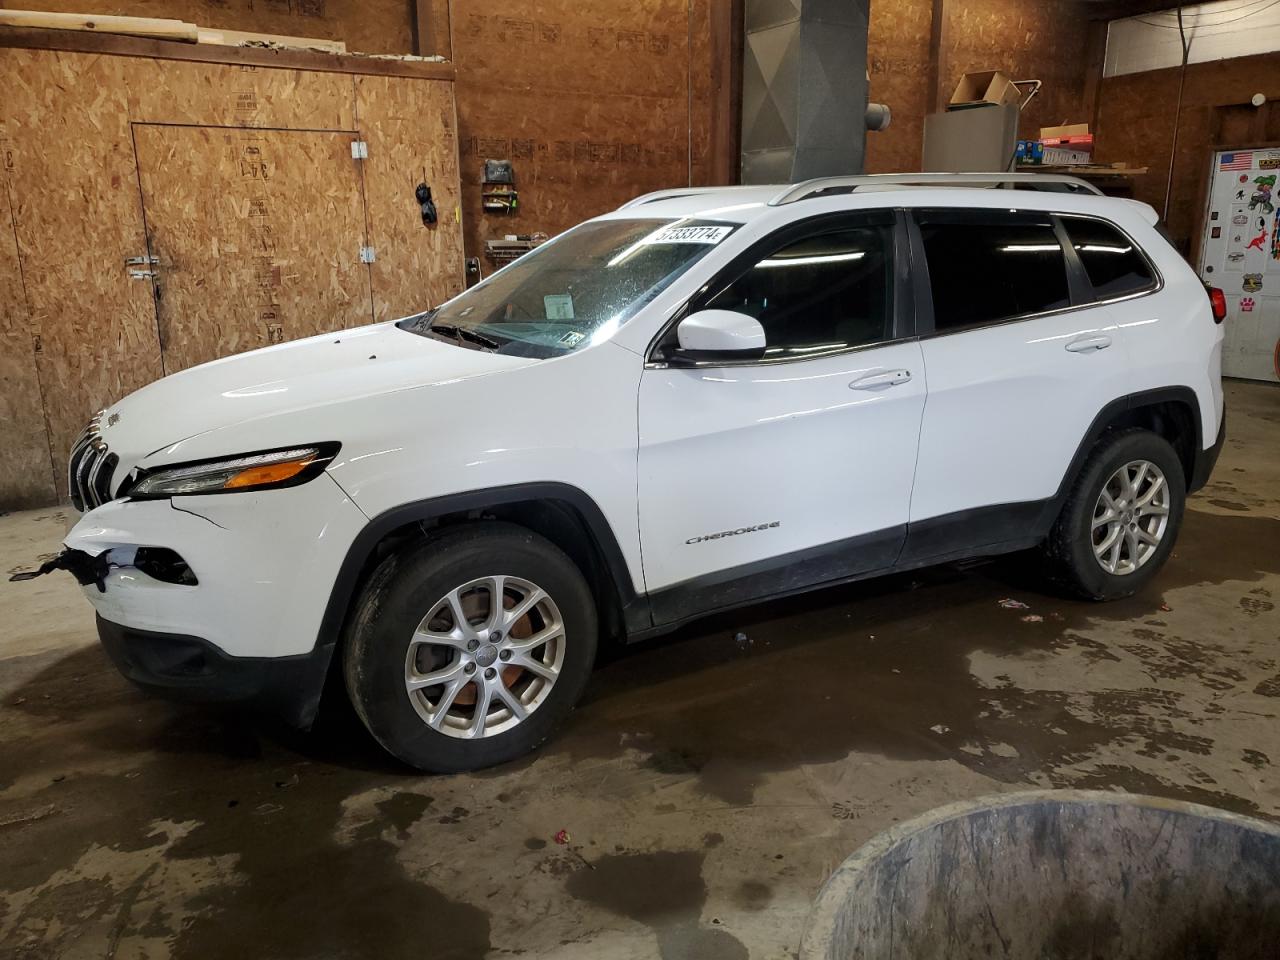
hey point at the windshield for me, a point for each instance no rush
(575, 290)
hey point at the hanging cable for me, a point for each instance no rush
(1177, 114)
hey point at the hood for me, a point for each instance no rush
(332, 368)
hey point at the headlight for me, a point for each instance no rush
(253, 471)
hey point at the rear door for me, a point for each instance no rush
(1020, 356)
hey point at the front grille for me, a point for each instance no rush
(90, 468)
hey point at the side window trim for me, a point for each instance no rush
(1078, 283)
(902, 312)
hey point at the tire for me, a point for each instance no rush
(383, 652)
(1071, 549)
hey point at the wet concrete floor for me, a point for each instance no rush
(708, 785)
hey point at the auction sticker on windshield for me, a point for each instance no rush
(703, 234)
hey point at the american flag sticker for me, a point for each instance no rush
(1240, 160)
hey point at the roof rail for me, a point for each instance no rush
(1010, 181)
(672, 193)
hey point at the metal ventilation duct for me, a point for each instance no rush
(804, 89)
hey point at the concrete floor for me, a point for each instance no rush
(708, 785)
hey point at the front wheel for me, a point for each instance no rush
(468, 650)
(1121, 519)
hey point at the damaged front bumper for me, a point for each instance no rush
(217, 597)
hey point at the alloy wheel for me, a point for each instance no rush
(485, 656)
(1130, 517)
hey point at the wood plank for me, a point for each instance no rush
(937, 68)
(726, 89)
(71, 41)
(239, 38)
(1095, 60)
(366, 26)
(26, 468)
(132, 26)
(423, 41)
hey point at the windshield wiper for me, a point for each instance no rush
(462, 333)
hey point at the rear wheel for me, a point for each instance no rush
(1121, 519)
(469, 649)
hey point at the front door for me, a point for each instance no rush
(255, 237)
(1240, 253)
(764, 477)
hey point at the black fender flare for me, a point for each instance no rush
(361, 549)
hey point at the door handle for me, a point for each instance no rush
(1085, 344)
(889, 378)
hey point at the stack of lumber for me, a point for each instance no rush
(161, 29)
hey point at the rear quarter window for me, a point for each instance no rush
(1113, 262)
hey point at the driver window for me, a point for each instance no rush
(819, 294)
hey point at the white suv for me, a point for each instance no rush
(702, 399)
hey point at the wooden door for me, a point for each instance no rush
(255, 234)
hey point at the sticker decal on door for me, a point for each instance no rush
(1262, 187)
(1252, 283)
(1246, 304)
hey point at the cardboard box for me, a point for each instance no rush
(1065, 130)
(1062, 156)
(1072, 136)
(1029, 152)
(982, 88)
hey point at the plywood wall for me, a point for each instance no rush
(367, 26)
(1137, 114)
(26, 477)
(72, 178)
(1043, 41)
(415, 128)
(593, 101)
(76, 214)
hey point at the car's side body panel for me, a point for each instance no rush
(740, 464)
(663, 465)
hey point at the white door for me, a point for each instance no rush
(1240, 253)
(764, 477)
(1016, 376)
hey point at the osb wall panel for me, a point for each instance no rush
(258, 233)
(1136, 116)
(898, 61)
(75, 192)
(589, 100)
(1029, 41)
(174, 91)
(26, 472)
(68, 129)
(412, 134)
(367, 26)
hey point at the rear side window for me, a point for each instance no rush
(1116, 267)
(827, 291)
(986, 268)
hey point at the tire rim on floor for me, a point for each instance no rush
(484, 657)
(1130, 517)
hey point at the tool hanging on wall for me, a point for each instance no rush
(498, 188)
(423, 194)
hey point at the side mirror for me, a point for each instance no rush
(709, 336)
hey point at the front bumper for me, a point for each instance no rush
(264, 564)
(193, 669)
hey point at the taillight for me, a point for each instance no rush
(1218, 300)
